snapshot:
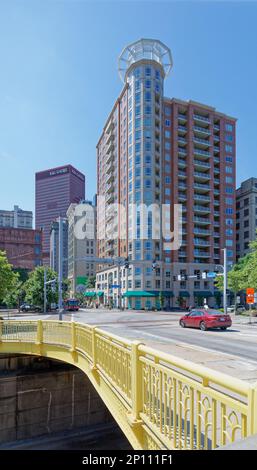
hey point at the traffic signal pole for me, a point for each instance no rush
(44, 289)
(225, 281)
(60, 275)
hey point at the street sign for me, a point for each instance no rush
(250, 295)
(211, 274)
(80, 288)
(116, 286)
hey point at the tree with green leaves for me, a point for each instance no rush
(34, 287)
(239, 275)
(15, 294)
(161, 300)
(90, 284)
(7, 276)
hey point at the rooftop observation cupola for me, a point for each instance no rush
(144, 49)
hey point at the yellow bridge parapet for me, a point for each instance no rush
(158, 400)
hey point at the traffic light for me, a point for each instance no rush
(174, 278)
(126, 263)
(198, 275)
(154, 265)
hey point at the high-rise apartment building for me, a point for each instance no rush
(17, 218)
(157, 150)
(81, 243)
(54, 247)
(246, 216)
(56, 189)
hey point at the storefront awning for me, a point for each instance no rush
(100, 293)
(138, 293)
(89, 294)
(184, 293)
(203, 293)
(165, 293)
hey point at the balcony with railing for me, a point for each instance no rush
(200, 242)
(202, 221)
(201, 231)
(203, 209)
(201, 253)
(182, 151)
(182, 174)
(201, 130)
(181, 162)
(201, 175)
(201, 163)
(201, 142)
(201, 152)
(182, 129)
(110, 156)
(109, 177)
(182, 117)
(202, 187)
(200, 197)
(182, 140)
(198, 117)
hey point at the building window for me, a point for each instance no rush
(229, 211)
(246, 234)
(167, 122)
(229, 200)
(229, 169)
(228, 148)
(229, 179)
(228, 127)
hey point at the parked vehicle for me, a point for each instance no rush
(205, 319)
(71, 304)
(30, 308)
(239, 308)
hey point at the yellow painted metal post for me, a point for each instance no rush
(94, 352)
(136, 382)
(39, 332)
(252, 404)
(1, 330)
(73, 338)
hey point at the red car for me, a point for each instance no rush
(205, 318)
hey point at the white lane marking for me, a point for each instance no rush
(195, 347)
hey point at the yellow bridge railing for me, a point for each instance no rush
(159, 401)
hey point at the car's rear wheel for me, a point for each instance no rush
(182, 324)
(203, 326)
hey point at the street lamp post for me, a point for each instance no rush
(60, 275)
(225, 281)
(44, 289)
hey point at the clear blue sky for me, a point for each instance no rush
(59, 80)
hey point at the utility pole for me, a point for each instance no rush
(225, 282)
(119, 286)
(45, 289)
(60, 267)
